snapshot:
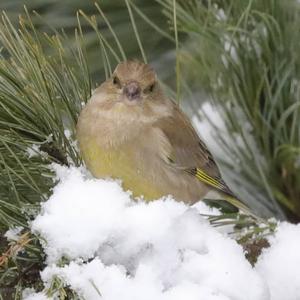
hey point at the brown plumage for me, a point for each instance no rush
(132, 131)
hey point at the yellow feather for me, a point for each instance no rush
(202, 176)
(118, 164)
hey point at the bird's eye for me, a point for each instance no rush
(149, 89)
(116, 81)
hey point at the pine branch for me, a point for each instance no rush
(43, 86)
(244, 56)
(41, 96)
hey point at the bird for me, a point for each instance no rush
(130, 130)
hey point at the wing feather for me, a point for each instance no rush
(188, 151)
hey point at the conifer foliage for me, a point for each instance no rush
(243, 55)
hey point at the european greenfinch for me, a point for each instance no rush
(131, 131)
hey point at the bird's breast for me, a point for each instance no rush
(135, 151)
(121, 162)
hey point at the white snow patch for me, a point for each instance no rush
(231, 50)
(220, 15)
(13, 234)
(209, 122)
(77, 218)
(35, 296)
(33, 151)
(67, 133)
(280, 264)
(70, 137)
(30, 294)
(125, 249)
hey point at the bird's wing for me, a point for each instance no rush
(188, 152)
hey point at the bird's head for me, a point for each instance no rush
(133, 83)
(132, 94)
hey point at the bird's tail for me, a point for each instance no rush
(218, 184)
(242, 207)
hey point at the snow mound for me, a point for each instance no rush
(280, 264)
(118, 248)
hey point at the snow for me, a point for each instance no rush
(105, 245)
(280, 264)
(13, 234)
(33, 151)
(68, 133)
(220, 15)
(29, 294)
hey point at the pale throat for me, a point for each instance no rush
(115, 126)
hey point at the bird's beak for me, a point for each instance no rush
(132, 91)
